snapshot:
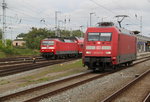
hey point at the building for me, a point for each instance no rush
(143, 43)
(18, 42)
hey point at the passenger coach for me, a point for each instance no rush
(108, 46)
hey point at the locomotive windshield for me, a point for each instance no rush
(47, 42)
(99, 36)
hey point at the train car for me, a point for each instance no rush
(80, 44)
(59, 48)
(108, 46)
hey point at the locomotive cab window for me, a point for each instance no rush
(48, 43)
(105, 36)
(99, 36)
(93, 36)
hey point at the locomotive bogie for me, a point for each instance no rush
(98, 63)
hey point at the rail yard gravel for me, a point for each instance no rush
(136, 92)
(97, 90)
(90, 92)
(14, 81)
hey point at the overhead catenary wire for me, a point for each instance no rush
(33, 8)
(103, 7)
(35, 20)
(21, 14)
(112, 12)
(27, 8)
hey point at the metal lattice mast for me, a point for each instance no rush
(141, 25)
(56, 23)
(4, 6)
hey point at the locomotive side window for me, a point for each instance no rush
(48, 43)
(99, 36)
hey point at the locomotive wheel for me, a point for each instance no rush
(90, 66)
(94, 70)
(55, 57)
(114, 67)
(129, 63)
(126, 64)
(101, 69)
(98, 69)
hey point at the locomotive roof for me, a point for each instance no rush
(125, 31)
(65, 39)
(62, 39)
(105, 24)
(111, 24)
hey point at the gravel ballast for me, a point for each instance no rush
(90, 92)
(97, 90)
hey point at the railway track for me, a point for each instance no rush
(9, 70)
(116, 96)
(51, 88)
(25, 65)
(147, 98)
(20, 61)
(36, 93)
(18, 58)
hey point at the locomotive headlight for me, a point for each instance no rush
(98, 42)
(88, 52)
(106, 47)
(108, 52)
(43, 48)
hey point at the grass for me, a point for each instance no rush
(55, 72)
(57, 68)
(49, 73)
(11, 52)
(28, 52)
(3, 82)
(2, 54)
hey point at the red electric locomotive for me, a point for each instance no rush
(108, 46)
(59, 48)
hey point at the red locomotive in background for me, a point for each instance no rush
(61, 47)
(108, 46)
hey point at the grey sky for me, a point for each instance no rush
(24, 14)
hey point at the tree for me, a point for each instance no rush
(34, 37)
(77, 33)
(22, 35)
(66, 33)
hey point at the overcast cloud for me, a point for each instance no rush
(24, 14)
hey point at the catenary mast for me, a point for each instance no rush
(4, 6)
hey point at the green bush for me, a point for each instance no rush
(9, 50)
